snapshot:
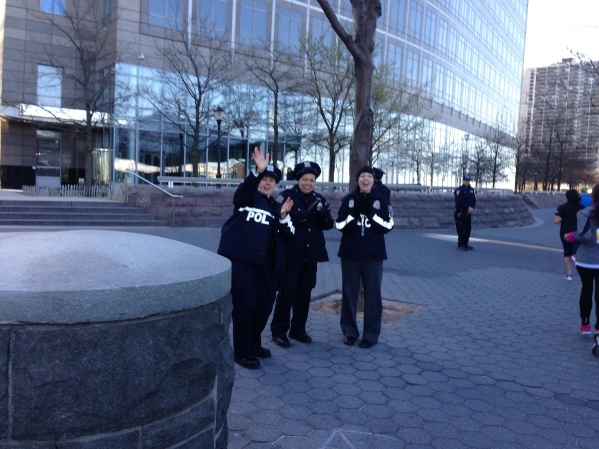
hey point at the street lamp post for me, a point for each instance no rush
(219, 113)
(464, 165)
(535, 182)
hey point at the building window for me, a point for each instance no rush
(394, 59)
(398, 13)
(321, 29)
(453, 43)
(290, 30)
(427, 74)
(377, 55)
(166, 13)
(106, 11)
(439, 81)
(49, 86)
(442, 36)
(412, 67)
(212, 17)
(416, 20)
(53, 6)
(431, 25)
(449, 87)
(254, 22)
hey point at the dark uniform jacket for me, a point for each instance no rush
(364, 219)
(464, 198)
(249, 234)
(307, 244)
(383, 189)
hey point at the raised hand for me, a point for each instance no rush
(261, 161)
(286, 207)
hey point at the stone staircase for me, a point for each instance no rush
(75, 213)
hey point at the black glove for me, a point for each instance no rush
(365, 206)
(312, 207)
(355, 211)
(323, 209)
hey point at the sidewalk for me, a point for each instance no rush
(493, 359)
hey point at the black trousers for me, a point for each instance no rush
(371, 273)
(463, 225)
(295, 289)
(253, 288)
(589, 276)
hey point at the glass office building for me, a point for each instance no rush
(464, 56)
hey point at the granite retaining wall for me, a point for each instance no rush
(210, 207)
(112, 340)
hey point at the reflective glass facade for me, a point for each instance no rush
(466, 56)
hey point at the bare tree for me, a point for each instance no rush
(396, 110)
(361, 46)
(273, 70)
(479, 158)
(329, 83)
(195, 66)
(87, 68)
(499, 158)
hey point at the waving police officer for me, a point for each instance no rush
(465, 201)
(310, 215)
(365, 216)
(248, 241)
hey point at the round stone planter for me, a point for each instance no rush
(112, 340)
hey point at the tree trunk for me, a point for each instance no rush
(361, 141)
(331, 157)
(275, 125)
(89, 147)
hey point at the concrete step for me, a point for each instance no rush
(73, 209)
(83, 222)
(75, 213)
(64, 203)
(53, 215)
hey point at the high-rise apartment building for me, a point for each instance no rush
(463, 56)
(560, 121)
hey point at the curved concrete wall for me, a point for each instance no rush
(112, 340)
(211, 207)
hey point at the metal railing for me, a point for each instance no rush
(159, 188)
(172, 182)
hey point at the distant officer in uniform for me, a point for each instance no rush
(365, 216)
(465, 202)
(310, 215)
(248, 241)
(378, 183)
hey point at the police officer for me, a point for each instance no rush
(365, 216)
(248, 241)
(465, 202)
(310, 215)
(378, 183)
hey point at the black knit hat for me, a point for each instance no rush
(365, 169)
(306, 167)
(272, 172)
(378, 174)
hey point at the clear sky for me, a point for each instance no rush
(555, 26)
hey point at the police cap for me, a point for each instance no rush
(306, 167)
(272, 172)
(466, 178)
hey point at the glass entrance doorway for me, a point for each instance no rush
(47, 160)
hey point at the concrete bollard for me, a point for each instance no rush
(112, 340)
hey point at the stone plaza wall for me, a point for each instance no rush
(112, 340)
(210, 207)
(544, 201)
